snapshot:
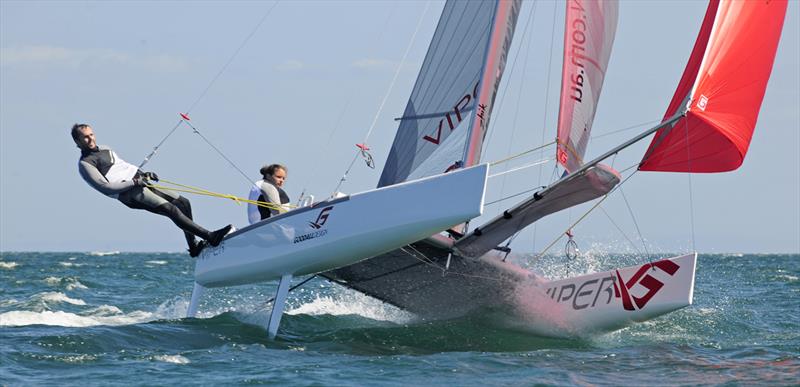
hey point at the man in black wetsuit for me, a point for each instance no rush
(269, 189)
(110, 175)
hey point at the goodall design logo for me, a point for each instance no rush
(321, 218)
(621, 287)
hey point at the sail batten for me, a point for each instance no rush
(721, 89)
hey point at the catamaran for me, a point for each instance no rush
(426, 259)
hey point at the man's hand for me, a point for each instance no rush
(151, 176)
(140, 181)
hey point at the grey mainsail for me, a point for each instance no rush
(445, 118)
(442, 128)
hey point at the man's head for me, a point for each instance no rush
(83, 135)
(275, 173)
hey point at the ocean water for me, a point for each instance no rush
(110, 318)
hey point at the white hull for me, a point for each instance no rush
(597, 303)
(343, 231)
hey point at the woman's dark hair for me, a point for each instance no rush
(269, 170)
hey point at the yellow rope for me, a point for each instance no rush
(205, 192)
(521, 154)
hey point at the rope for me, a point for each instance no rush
(429, 262)
(397, 72)
(546, 106)
(213, 80)
(689, 174)
(197, 132)
(155, 148)
(610, 219)
(520, 154)
(533, 164)
(385, 97)
(635, 223)
(582, 217)
(649, 123)
(204, 192)
(519, 100)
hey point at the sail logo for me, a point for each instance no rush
(460, 107)
(702, 103)
(321, 218)
(317, 226)
(622, 288)
(577, 38)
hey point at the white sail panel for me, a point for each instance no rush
(588, 38)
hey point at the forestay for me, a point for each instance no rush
(722, 89)
(588, 37)
(440, 129)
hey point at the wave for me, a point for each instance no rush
(157, 262)
(352, 305)
(101, 315)
(70, 264)
(59, 297)
(8, 265)
(103, 253)
(23, 318)
(174, 359)
(71, 283)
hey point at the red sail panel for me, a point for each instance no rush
(725, 81)
(588, 37)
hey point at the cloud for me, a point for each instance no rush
(52, 56)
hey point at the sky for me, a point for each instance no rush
(306, 84)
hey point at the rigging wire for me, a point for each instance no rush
(546, 105)
(625, 235)
(353, 92)
(689, 174)
(526, 166)
(498, 162)
(197, 132)
(519, 96)
(184, 116)
(635, 223)
(429, 262)
(648, 124)
(540, 255)
(386, 96)
(630, 211)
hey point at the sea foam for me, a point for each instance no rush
(7, 265)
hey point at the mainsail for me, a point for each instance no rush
(722, 89)
(588, 37)
(443, 125)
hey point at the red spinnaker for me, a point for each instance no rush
(725, 81)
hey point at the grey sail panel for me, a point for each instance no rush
(595, 182)
(432, 130)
